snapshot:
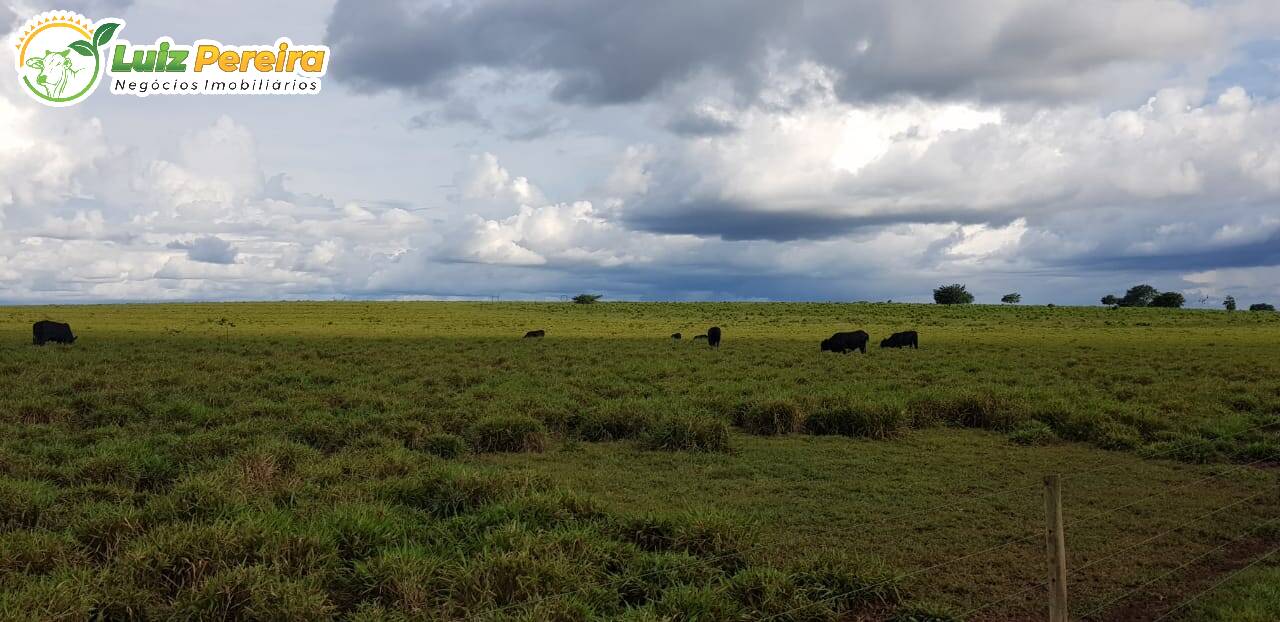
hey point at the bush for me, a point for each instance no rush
(953, 294)
(858, 420)
(770, 417)
(442, 444)
(586, 299)
(1011, 299)
(687, 432)
(1138, 296)
(1168, 300)
(1033, 432)
(508, 433)
(1261, 306)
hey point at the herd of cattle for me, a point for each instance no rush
(44, 331)
(843, 343)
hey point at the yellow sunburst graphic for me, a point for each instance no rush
(45, 21)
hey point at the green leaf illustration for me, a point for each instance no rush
(104, 33)
(82, 48)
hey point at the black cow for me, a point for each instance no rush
(904, 339)
(713, 336)
(535, 333)
(697, 337)
(845, 343)
(676, 336)
(44, 331)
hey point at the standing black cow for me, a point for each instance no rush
(845, 343)
(904, 339)
(713, 336)
(44, 331)
(676, 336)
(535, 334)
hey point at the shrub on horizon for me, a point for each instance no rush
(954, 294)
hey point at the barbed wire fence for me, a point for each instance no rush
(1038, 535)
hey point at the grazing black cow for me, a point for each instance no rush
(535, 333)
(904, 339)
(44, 331)
(697, 337)
(676, 336)
(845, 343)
(713, 336)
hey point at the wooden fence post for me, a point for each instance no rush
(1056, 548)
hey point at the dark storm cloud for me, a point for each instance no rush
(207, 249)
(1260, 253)
(734, 221)
(617, 51)
(601, 52)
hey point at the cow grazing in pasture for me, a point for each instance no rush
(44, 331)
(535, 334)
(904, 339)
(55, 71)
(697, 337)
(677, 336)
(713, 336)
(845, 343)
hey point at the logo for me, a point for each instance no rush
(61, 56)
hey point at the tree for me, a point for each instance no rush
(586, 299)
(1011, 299)
(1229, 303)
(1110, 300)
(1168, 300)
(1138, 296)
(1261, 306)
(953, 294)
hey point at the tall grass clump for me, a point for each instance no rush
(770, 417)
(979, 409)
(1033, 432)
(691, 431)
(877, 420)
(618, 420)
(442, 444)
(508, 433)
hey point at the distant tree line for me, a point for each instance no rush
(1137, 296)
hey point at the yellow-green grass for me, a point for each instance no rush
(1251, 596)
(268, 425)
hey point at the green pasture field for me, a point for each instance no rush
(419, 460)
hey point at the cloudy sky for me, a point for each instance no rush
(667, 149)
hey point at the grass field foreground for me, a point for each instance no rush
(376, 460)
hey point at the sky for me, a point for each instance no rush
(666, 150)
